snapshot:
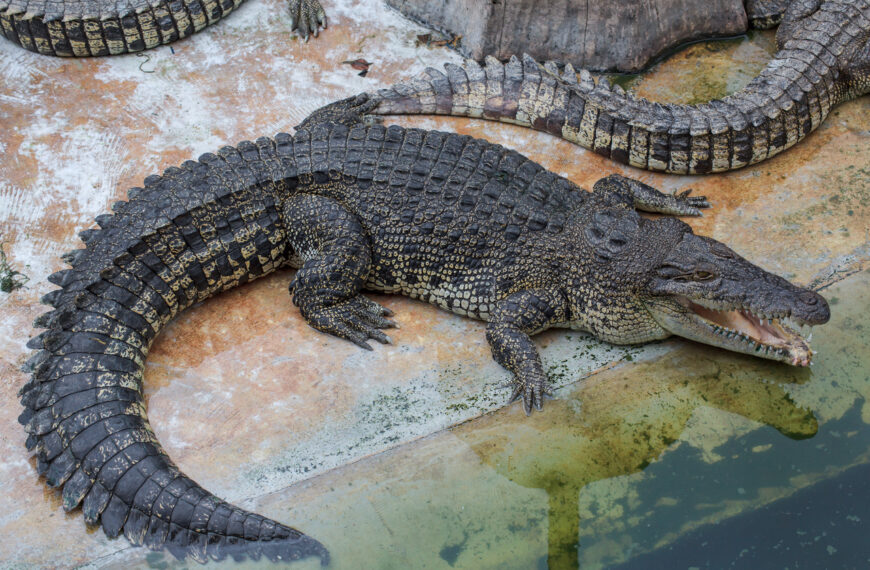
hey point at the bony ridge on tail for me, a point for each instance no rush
(467, 225)
(823, 59)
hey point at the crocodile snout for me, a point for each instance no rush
(813, 308)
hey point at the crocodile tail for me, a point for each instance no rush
(83, 406)
(775, 111)
(105, 27)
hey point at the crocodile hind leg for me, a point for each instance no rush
(336, 257)
(514, 320)
(307, 17)
(616, 188)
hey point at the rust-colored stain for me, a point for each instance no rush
(240, 391)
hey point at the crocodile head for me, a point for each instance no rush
(642, 279)
(702, 290)
(842, 28)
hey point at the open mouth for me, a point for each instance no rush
(776, 338)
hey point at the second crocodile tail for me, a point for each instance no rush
(763, 119)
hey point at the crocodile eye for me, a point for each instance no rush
(702, 276)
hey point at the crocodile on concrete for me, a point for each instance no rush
(823, 59)
(82, 28)
(459, 222)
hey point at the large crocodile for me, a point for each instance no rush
(455, 221)
(84, 28)
(823, 59)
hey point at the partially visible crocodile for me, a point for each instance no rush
(823, 59)
(455, 221)
(83, 28)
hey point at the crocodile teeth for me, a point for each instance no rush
(759, 333)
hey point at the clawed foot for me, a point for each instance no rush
(644, 197)
(357, 320)
(686, 205)
(533, 388)
(307, 17)
(350, 111)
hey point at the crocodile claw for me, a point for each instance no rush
(358, 320)
(307, 17)
(533, 392)
(690, 204)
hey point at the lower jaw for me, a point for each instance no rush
(794, 353)
(788, 354)
(772, 341)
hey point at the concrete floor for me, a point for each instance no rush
(244, 396)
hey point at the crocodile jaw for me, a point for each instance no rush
(738, 330)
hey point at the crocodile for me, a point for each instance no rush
(459, 222)
(82, 28)
(823, 59)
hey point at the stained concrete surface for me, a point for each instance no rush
(259, 408)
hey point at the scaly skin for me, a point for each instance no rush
(458, 222)
(823, 59)
(765, 14)
(91, 27)
(82, 28)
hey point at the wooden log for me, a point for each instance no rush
(602, 35)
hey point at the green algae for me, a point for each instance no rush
(700, 71)
(10, 279)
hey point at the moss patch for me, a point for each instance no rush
(10, 279)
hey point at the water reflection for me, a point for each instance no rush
(628, 417)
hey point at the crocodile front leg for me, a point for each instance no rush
(509, 331)
(616, 188)
(307, 16)
(336, 257)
